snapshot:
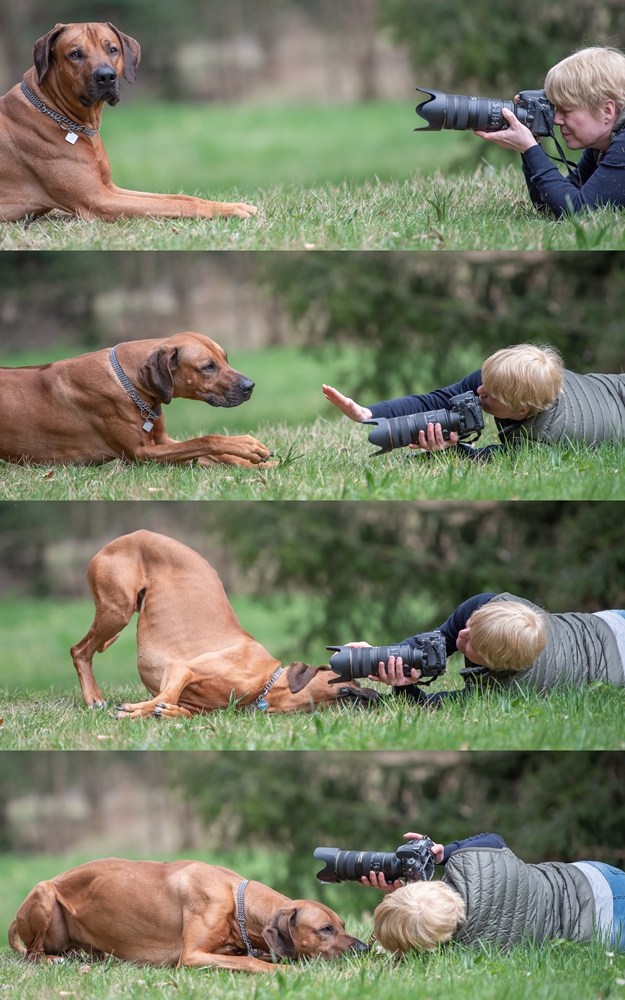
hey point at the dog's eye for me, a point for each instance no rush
(75, 54)
(210, 367)
(113, 51)
(327, 930)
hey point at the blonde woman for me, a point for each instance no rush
(507, 641)
(588, 91)
(529, 393)
(487, 894)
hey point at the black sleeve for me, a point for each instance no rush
(436, 400)
(479, 840)
(600, 183)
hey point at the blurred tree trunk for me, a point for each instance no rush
(361, 28)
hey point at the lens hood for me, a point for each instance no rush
(433, 110)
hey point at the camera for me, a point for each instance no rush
(464, 416)
(429, 657)
(484, 114)
(413, 861)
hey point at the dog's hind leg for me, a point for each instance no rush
(116, 597)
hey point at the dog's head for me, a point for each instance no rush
(192, 366)
(305, 929)
(87, 61)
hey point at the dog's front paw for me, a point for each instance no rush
(363, 697)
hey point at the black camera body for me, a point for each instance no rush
(429, 657)
(412, 861)
(464, 416)
(484, 114)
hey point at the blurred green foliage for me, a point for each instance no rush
(502, 47)
(547, 806)
(429, 319)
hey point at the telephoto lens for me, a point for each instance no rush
(464, 416)
(412, 861)
(428, 656)
(484, 114)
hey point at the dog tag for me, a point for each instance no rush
(261, 705)
(71, 137)
(148, 425)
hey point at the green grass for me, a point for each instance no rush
(331, 460)
(339, 177)
(558, 970)
(587, 719)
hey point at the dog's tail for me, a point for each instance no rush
(14, 939)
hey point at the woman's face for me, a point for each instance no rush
(463, 644)
(497, 409)
(583, 129)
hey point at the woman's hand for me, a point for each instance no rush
(376, 880)
(393, 673)
(434, 440)
(437, 849)
(346, 405)
(517, 136)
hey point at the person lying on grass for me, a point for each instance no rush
(489, 895)
(528, 392)
(508, 641)
(588, 90)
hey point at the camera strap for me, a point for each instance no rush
(562, 158)
(252, 952)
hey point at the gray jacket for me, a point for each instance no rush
(508, 901)
(590, 408)
(581, 649)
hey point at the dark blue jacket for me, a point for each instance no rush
(598, 179)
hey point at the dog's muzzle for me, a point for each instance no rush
(104, 86)
(238, 393)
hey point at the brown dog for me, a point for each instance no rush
(193, 656)
(172, 913)
(48, 162)
(78, 410)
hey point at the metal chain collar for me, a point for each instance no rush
(150, 416)
(61, 120)
(252, 952)
(260, 702)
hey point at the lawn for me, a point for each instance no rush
(331, 460)
(558, 970)
(338, 177)
(42, 708)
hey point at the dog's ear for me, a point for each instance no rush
(277, 933)
(42, 50)
(299, 675)
(157, 372)
(131, 51)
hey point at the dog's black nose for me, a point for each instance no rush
(105, 76)
(360, 946)
(246, 385)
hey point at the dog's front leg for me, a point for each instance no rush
(175, 678)
(237, 963)
(242, 449)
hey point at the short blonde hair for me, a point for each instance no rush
(587, 79)
(524, 376)
(508, 635)
(419, 917)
